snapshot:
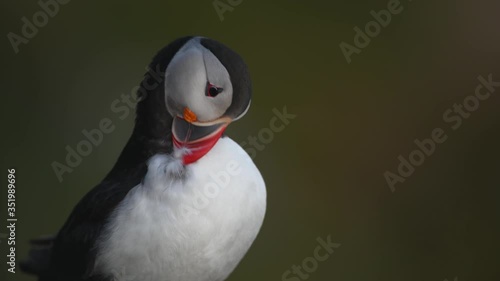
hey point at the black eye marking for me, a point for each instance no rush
(212, 90)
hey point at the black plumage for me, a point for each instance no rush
(70, 255)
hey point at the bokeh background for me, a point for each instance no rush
(324, 172)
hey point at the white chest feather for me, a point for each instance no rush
(186, 224)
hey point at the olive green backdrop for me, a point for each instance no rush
(325, 170)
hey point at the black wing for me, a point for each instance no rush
(70, 256)
(73, 253)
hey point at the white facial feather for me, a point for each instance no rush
(186, 79)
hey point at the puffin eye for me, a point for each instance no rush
(212, 90)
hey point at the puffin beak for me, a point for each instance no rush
(188, 131)
(189, 115)
(195, 136)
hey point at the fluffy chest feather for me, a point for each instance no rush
(193, 223)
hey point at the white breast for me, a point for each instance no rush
(186, 224)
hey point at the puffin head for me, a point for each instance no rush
(206, 87)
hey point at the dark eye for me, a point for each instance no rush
(212, 90)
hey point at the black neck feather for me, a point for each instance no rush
(152, 131)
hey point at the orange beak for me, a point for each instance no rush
(189, 115)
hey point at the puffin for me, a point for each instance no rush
(183, 202)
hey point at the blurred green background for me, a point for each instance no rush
(324, 172)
